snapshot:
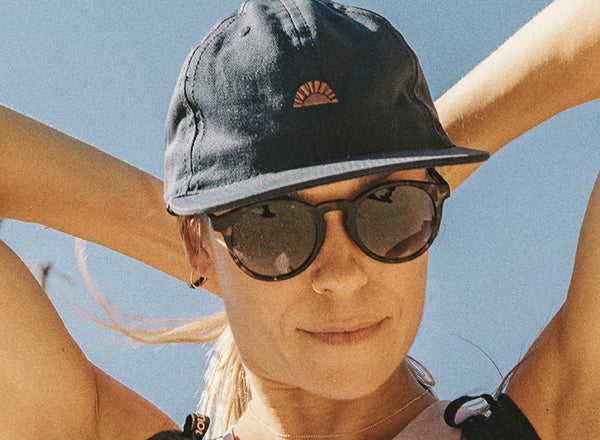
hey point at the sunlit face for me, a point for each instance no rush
(340, 328)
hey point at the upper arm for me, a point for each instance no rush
(124, 414)
(550, 65)
(582, 308)
(47, 385)
(50, 178)
(557, 383)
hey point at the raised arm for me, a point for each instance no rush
(47, 386)
(550, 65)
(53, 179)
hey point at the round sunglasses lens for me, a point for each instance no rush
(273, 239)
(396, 221)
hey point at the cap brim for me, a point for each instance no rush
(272, 185)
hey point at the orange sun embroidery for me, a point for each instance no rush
(314, 93)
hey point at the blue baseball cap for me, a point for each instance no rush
(284, 95)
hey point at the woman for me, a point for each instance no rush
(313, 385)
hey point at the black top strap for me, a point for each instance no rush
(173, 434)
(505, 422)
(195, 428)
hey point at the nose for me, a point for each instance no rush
(337, 268)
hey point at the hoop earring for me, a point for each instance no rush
(320, 292)
(423, 376)
(195, 284)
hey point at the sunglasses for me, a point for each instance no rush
(392, 222)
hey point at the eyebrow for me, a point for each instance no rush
(362, 183)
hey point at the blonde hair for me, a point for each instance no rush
(226, 391)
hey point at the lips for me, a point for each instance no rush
(346, 334)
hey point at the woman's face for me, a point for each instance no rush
(340, 328)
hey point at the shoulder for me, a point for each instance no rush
(430, 424)
(557, 382)
(124, 414)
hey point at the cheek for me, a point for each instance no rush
(407, 284)
(400, 288)
(263, 332)
(257, 312)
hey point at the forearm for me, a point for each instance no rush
(50, 178)
(550, 65)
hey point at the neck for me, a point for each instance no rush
(278, 413)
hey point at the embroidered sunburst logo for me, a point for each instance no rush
(314, 93)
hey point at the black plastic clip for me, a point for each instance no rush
(195, 426)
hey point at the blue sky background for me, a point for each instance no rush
(105, 71)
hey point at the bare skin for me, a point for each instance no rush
(553, 65)
(548, 66)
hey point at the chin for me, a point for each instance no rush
(350, 373)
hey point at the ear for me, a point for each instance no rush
(200, 261)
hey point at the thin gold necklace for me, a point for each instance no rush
(341, 434)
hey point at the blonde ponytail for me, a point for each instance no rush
(226, 391)
(196, 330)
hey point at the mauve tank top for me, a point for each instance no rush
(428, 425)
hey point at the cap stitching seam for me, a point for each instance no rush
(296, 31)
(227, 22)
(367, 13)
(421, 104)
(190, 108)
(198, 114)
(415, 64)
